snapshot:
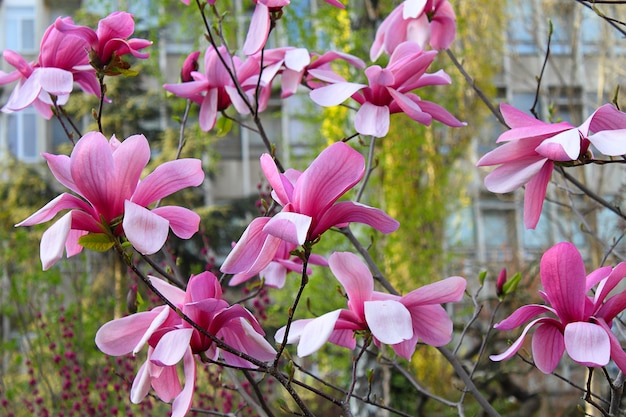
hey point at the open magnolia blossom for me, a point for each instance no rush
(309, 208)
(171, 339)
(110, 198)
(62, 61)
(109, 41)
(532, 147)
(389, 91)
(424, 22)
(214, 89)
(275, 273)
(392, 320)
(297, 64)
(578, 322)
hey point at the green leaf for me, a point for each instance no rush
(223, 126)
(511, 284)
(481, 277)
(98, 242)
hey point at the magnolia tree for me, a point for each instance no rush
(109, 206)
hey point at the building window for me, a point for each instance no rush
(19, 28)
(522, 27)
(22, 135)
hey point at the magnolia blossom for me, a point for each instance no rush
(390, 91)
(275, 273)
(109, 41)
(310, 207)
(392, 320)
(171, 339)
(215, 91)
(109, 198)
(423, 22)
(577, 321)
(296, 64)
(61, 63)
(532, 147)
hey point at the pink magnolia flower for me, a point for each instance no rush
(420, 21)
(275, 273)
(172, 339)
(60, 64)
(390, 91)
(392, 320)
(310, 207)
(109, 41)
(215, 91)
(577, 323)
(109, 198)
(296, 64)
(533, 146)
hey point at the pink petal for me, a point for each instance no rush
(316, 333)
(290, 227)
(444, 291)
(617, 352)
(295, 331)
(62, 202)
(610, 142)
(141, 384)
(522, 315)
(202, 286)
(254, 250)
(336, 169)
(55, 81)
(183, 222)
(241, 335)
(281, 186)
(547, 347)
(258, 31)
(94, 173)
(587, 343)
(372, 120)
(334, 94)
(172, 293)
(563, 278)
(60, 167)
(511, 176)
(130, 159)
(171, 347)
(297, 59)
(389, 321)
(413, 8)
(355, 278)
(121, 336)
(182, 402)
(165, 382)
(351, 212)
(208, 110)
(535, 194)
(431, 324)
(440, 114)
(607, 117)
(512, 350)
(442, 32)
(167, 179)
(145, 230)
(564, 146)
(53, 241)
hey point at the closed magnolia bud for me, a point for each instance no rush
(500, 282)
(131, 299)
